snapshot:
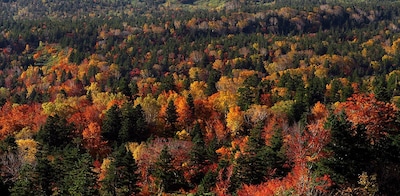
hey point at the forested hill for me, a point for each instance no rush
(199, 97)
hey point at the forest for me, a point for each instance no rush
(195, 97)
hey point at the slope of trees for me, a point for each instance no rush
(147, 97)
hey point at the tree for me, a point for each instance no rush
(56, 133)
(78, 177)
(128, 123)
(255, 163)
(25, 184)
(198, 154)
(121, 176)
(380, 88)
(168, 178)
(171, 118)
(111, 124)
(234, 120)
(45, 175)
(350, 154)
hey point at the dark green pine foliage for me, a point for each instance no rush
(121, 177)
(380, 88)
(350, 154)
(141, 133)
(213, 77)
(190, 101)
(133, 124)
(198, 154)
(128, 123)
(24, 185)
(250, 93)
(171, 118)
(56, 133)
(253, 165)
(259, 161)
(111, 124)
(168, 178)
(277, 156)
(78, 177)
(46, 175)
(246, 97)
(208, 181)
(167, 83)
(316, 90)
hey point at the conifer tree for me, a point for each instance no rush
(56, 133)
(253, 165)
(111, 124)
(25, 184)
(168, 178)
(78, 177)
(121, 177)
(171, 118)
(128, 123)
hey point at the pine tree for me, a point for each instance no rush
(253, 165)
(168, 179)
(190, 102)
(111, 124)
(25, 184)
(45, 174)
(122, 177)
(78, 177)
(141, 132)
(128, 123)
(56, 133)
(198, 154)
(171, 118)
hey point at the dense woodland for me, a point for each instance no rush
(186, 97)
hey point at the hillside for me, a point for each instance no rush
(199, 97)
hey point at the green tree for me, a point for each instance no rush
(253, 165)
(45, 175)
(128, 123)
(171, 118)
(111, 124)
(198, 154)
(380, 88)
(121, 176)
(168, 178)
(78, 177)
(56, 133)
(25, 184)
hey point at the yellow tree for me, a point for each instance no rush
(235, 119)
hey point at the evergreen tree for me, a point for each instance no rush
(350, 153)
(78, 177)
(167, 83)
(198, 154)
(121, 177)
(190, 101)
(141, 133)
(56, 133)
(168, 178)
(128, 123)
(246, 97)
(213, 77)
(45, 174)
(171, 118)
(253, 165)
(380, 88)
(111, 124)
(25, 184)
